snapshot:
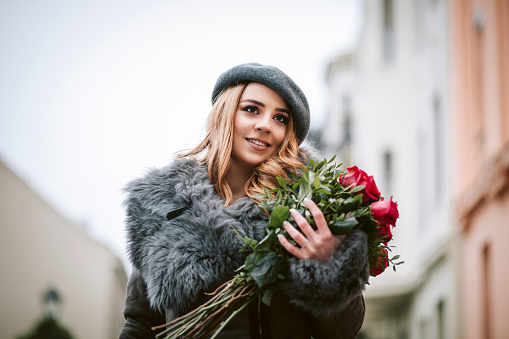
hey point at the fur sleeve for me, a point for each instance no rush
(193, 252)
(325, 287)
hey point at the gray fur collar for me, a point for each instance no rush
(179, 237)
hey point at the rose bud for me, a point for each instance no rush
(380, 265)
(384, 232)
(385, 212)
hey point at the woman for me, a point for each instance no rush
(179, 221)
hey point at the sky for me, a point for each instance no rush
(94, 93)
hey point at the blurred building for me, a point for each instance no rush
(390, 115)
(41, 251)
(480, 48)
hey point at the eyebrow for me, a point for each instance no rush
(283, 110)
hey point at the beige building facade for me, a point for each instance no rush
(481, 175)
(390, 115)
(40, 249)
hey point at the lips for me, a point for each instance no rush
(258, 142)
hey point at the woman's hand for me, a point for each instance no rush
(318, 245)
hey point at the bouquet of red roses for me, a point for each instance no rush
(349, 200)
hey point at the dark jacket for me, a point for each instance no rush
(181, 245)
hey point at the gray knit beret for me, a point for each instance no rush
(277, 80)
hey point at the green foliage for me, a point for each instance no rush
(342, 207)
(261, 276)
(48, 328)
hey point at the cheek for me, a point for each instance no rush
(279, 136)
(239, 123)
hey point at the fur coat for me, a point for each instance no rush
(181, 245)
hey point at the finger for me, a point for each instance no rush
(302, 223)
(321, 223)
(294, 234)
(289, 247)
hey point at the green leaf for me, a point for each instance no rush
(281, 182)
(352, 203)
(316, 183)
(343, 226)
(278, 215)
(266, 243)
(357, 188)
(305, 186)
(266, 191)
(250, 261)
(278, 197)
(267, 296)
(312, 163)
(320, 165)
(266, 269)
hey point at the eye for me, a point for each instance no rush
(282, 118)
(251, 109)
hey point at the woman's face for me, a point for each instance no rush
(260, 125)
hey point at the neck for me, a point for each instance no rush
(236, 178)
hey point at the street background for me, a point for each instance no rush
(415, 92)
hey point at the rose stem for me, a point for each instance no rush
(190, 313)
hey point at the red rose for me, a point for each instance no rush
(385, 212)
(384, 231)
(380, 265)
(371, 192)
(349, 178)
(356, 177)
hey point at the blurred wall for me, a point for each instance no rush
(422, 103)
(481, 126)
(389, 114)
(40, 249)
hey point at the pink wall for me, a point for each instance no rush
(485, 294)
(480, 89)
(480, 63)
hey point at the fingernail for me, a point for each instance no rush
(293, 210)
(306, 200)
(280, 236)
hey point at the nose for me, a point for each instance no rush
(263, 123)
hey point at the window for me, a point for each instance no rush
(388, 172)
(346, 129)
(438, 146)
(347, 119)
(388, 30)
(441, 319)
(486, 282)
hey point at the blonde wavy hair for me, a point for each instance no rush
(216, 149)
